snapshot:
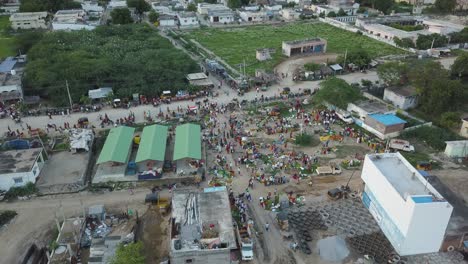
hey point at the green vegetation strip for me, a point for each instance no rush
(238, 44)
(6, 216)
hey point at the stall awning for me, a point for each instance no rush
(152, 144)
(117, 145)
(187, 142)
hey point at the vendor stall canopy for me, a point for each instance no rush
(187, 142)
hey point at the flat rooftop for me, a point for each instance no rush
(304, 41)
(22, 160)
(213, 208)
(406, 180)
(371, 106)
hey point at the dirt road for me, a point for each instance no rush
(36, 217)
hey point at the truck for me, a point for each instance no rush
(244, 237)
(400, 144)
(345, 116)
(330, 169)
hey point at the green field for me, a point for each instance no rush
(6, 41)
(236, 44)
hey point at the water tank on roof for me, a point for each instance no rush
(13, 72)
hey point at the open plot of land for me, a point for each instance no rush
(236, 44)
(6, 42)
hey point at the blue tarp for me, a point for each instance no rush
(7, 65)
(214, 189)
(387, 119)
(424, 173)
(18, 144)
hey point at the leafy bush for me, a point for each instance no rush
(28, 189)
(130, 253)
(435, 137)
(6, 217)
(337, 92)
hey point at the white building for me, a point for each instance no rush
(163, 10)
(221, 16)
(167, 21)
(70, 20)
(204, 8)
(92, 8)
(441, 27)
(18, 167)
(401, 97)
(28, 20)
(411, 213)
(187, 19)
(457, 149)
(117, 4)
(464, 127)
(253, 16)
(10, 8)
(289, 14)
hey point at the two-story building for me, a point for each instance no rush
(29, 20)
(411, 213)
(187, 19)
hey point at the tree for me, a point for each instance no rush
(366, 83)
(384, 5)
(191, 7)
(404, 42)
(445, 6)
(26, 40)
(47, 5)
(140, 6)
(459, 68)
(331, 14)
(459, 37)
(121, 16)
(341, 13)
(450, 120)
(130, 58)
(393, 73)
(337, 92)
(359, 57)
(129, 254)
(153, 16)
(425, 41)
(233, 4)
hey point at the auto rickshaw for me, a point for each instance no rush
(286, 90)
(83, 122)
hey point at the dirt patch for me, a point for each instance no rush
(153, 231)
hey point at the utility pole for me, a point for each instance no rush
(432, 44)
(344, 62)
(69, 96)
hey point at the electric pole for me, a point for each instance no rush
(69, 96)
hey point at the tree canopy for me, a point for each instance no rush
(445, 6)
(153, 16)
(393, 73)
(460, 67)
(130, 58)
(233, 4)
(129, 254)
(121, 16)
(47, 5)
(140, 6)
(359, 57)
(404, 42)
(311, 66)
(337, 92)
(191, 7)
(425, 41)
(459, 37)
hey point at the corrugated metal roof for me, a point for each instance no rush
(99, 93)
(117, 145)
(152, 144)
(7, 65)
(187, 142)
(387, 119)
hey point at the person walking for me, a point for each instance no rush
(267, 226)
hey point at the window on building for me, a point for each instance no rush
(18, 180)
(189, 261)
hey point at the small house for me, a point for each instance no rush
(289, 14)
(263, 54)
(401, 97)
(71, 20)
(100, 93)
(253, 16)
(304, 47)
(384, 125)
(456, 149)
(19, 167)
(221, 16)
(187, 19)
(167, 21)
